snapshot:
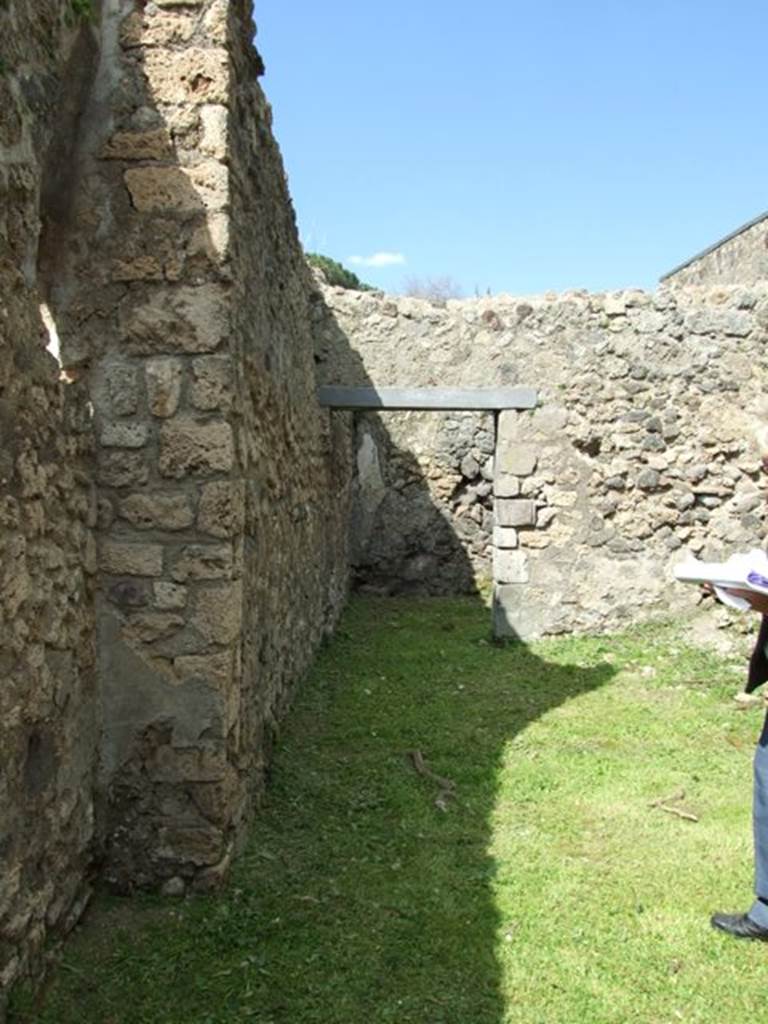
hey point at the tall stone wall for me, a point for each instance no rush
(741, 259)
(641, 447)
(48, 708)
(294, 458)
(176, 274)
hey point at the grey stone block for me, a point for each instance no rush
(515, 512)
(518, 459)
(506, 486)
(504, 537)
(509, 618)
(510, 566)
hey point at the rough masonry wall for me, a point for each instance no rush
(176, 277)
(641, 447)
(741, 260)
(48, 720)
(294, 457)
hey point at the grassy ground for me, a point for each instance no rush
(549, 890)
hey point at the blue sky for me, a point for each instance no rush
(519, 146)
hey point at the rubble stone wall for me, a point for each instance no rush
(222, 522)
(48, 707)
(294, 458)
(641, 446)
(174, 519)
(740, 260)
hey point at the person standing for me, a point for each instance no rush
(754, 923)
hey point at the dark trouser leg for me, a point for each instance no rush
(759, 910)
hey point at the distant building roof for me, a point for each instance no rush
(715, 245)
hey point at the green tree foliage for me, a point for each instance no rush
(336, 274)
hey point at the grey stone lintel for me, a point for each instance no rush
(448, 399)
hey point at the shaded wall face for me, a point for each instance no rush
(294, 457)
(423, 502)
(640, 450)
(48, 720)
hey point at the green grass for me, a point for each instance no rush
(549, 891)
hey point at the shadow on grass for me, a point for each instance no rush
(358, 898)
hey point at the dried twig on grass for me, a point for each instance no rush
(663, 804)
(447, 786)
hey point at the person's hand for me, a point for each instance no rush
(757, 602)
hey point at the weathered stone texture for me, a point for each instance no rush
(183, 297)
(48, 727)
(739, 260)
(641, 447)
(295, 458)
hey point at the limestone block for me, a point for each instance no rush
(191, 75)
(148, 627)
(515, 512)
(158, 511)
(204, 186)
(510, 566)
(211, 386)
(122, 468)
(126, 559)
(154, 144)
(215, 22)
(217, 611)
(506, 486)
(215, 119)
(122, 388)
(534, 539)
(169, 596)
(189, 447)
(163, 377)
(518, 459)
(168, 29)
(545, 516)
(504, 537)
(508, 617)
(222, 508)
(509, 427)
(616, 304)
(211, 239)
(186, 318)
(202, 562)
(124, 435)
(215, 669)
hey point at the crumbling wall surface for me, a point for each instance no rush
(175, 274)
(48, 731)
(740, 260)
(640, 449)
(295, 458)
(137, 268)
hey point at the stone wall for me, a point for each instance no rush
(145, 212)
(423, 502)
(48, 720)
(641, 447)
(741, 259)
(294, 458)
(177, 278)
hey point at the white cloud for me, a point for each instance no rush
(378, 259)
